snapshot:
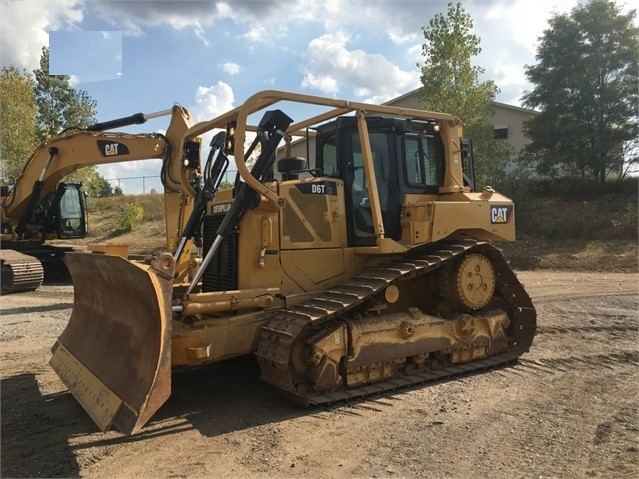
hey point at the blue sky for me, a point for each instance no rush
(85, 53)
(210, 55)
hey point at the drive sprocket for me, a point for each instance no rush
(473, 281)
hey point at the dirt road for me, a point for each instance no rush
(568, 409)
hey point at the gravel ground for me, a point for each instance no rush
(568, 409)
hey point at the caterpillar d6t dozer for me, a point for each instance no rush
(368, 269)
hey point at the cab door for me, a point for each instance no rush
(340, 155)
(72, 213)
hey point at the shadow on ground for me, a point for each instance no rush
(215, 399)
(228, 397)
(36, 429)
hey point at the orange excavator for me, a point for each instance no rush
(353, 257)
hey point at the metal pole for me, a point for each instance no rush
(205, 263)
(157, 114)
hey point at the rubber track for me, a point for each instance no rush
(20, 272)
(278, 337)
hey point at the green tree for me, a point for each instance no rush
(60, 105)
(92, 182)
(133, 215)
(450, 83)
(17, 122)
(585, 80)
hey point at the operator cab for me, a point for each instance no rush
(62, 214)
(408, 158)
(71, 220)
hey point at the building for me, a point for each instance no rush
(508, 120)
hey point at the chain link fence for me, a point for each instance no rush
(142, 185)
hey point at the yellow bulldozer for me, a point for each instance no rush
(367, 269)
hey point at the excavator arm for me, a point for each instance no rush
(54, 159)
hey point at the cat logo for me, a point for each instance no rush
(112, 148)
(501, 214)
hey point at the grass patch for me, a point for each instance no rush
(146, 235)
(555, 232)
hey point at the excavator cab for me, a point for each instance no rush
(68, 218)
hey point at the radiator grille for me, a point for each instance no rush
(221, 274)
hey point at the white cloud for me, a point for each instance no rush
(257, 33)
(415, 52)
(188, 13)
(212, 101)
(507, 74)
(231, 68)
(132, 16)
(523, 20)
(174, 14)
(398, 37)
(24, 28)
(324, 83)
(399, 21)
(330, 67)
(509, 31)
(201, 34)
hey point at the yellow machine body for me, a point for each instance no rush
(358, 275)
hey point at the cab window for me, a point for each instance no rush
(423, 161)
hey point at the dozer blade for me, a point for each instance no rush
(115, 353)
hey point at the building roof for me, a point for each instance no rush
(414, 92)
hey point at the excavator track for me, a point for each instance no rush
(288, 328)
(20, 272)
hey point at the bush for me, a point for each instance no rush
(568, 188)
(569, 209)
(133, 215)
